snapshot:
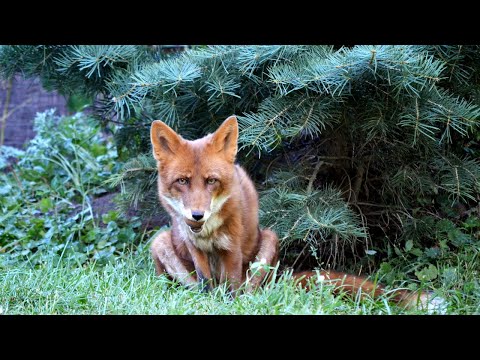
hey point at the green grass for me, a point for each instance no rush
(129, 286)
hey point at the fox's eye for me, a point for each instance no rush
(211, 181)
(183, 181)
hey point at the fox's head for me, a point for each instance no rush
(195, 177)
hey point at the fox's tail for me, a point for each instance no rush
(354, 285)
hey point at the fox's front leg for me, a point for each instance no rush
(202, 267)
(167, 260)
(232, 269)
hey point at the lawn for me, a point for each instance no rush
(129, 286)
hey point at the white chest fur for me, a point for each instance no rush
(209, 238)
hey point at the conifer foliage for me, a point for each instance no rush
(350, 147)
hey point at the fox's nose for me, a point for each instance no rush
(197, 215)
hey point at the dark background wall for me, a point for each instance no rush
(27, 97)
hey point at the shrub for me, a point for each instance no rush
(46, 203)
(355, 149)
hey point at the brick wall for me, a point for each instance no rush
(26, 99)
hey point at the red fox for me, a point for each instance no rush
(213, 204)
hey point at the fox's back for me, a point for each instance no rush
(248, 206)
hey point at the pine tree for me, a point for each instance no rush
(348, 146)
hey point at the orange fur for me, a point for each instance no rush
(353, 285)
(213, 205)
(200, 177)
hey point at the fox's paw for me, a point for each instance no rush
(204, 285)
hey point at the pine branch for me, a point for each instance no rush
(93, 58)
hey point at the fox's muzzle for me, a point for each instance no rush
(195, 226)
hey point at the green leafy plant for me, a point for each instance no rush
(48, 212)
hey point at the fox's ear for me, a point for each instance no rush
(226, 137)
(165, 141)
